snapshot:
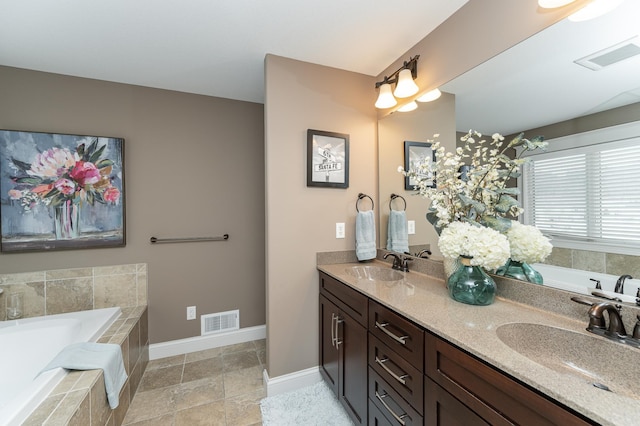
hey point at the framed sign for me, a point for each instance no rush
(327, 159)
(60, 192)
(417, 156)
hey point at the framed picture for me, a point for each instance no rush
(327, 159)
(60, 192)
(415, 155)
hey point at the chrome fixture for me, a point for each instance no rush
(615, 329)
(619, 288)
(403, 79)
(400, 263)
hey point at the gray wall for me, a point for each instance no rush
(194, 166)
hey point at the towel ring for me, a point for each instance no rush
(360, 197)
(394, 196)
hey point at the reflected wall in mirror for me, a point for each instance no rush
(535, 87)
(420, 125)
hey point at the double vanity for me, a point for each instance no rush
(397, 350)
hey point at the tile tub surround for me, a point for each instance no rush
(80, 399)
(425, 300)
(70, 290)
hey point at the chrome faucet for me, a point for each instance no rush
(619, 288)
(400, 263)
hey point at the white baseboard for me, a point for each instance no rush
(290, 382)
(200, 343)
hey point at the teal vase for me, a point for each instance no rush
(520, 271)
(471, 285)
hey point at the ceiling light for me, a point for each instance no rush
(408, 107)
(403, 79)
(594, 9)
(552, 4)
(385, 98)
(431, 95)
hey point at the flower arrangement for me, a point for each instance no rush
(482, 195)
(58, 176)
(487, 247)
(527, 243)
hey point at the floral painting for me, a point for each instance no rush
(61, 191)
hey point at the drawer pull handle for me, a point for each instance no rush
(395, 416)
(383, 327)
(388, 370)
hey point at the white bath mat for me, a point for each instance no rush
(312, 405)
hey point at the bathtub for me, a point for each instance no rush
(28, 345)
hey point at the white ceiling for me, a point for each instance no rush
(536, 82)
(210, 47)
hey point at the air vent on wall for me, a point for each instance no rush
(611, 55)
(219, 322)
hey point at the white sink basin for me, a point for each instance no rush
(374, 273)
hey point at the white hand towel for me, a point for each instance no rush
(397, 232)
(365, 235)
(91, 356)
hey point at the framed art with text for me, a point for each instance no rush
(327, 159)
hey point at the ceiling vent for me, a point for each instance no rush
(611, 55)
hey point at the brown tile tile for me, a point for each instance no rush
(621, 264)
(244, 410)
(200, 355)
(198, 392)
(589, 261)
(114, 270)
(68, 407)
(69, 295)
(134, 344)
(43, 411)
(165, 362)
(212, 414)
(135, 377)
(200, 369)
(115, 290)
(240, 360)
(150, 404)
(160, 378)
(165, 420)
(124, 401)
(68, 273)
(238, 347)
(100, 410)
(260, 344)
(243, 381)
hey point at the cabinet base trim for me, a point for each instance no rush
(290, 382)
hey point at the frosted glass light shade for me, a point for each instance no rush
(408, 107)
(594, 9)
(552, 4)
(430, 96)
(406, 86)
(385, 98)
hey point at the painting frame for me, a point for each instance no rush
(327, 159)
(415, 153)
(61, 191)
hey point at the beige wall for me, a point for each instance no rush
(193, 167)
(301, 220)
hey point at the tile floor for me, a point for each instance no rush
(221, 386)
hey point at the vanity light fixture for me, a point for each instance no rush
(552, 4)
(430, 96)
(403, 79)
(594, 9)
(408, 107)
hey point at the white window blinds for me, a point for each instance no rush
(588, 194)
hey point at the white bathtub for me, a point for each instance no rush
(579, 281)
(28, 345)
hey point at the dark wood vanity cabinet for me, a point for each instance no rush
(387, 370)
(343, 345)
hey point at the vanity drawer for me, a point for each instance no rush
(349, 300)
(494, 396)
(390, 403)
(399, 334)
(401, 375)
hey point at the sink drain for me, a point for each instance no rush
(601, 386)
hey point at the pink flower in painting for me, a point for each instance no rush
(65, 186)
(111, 194)
(85, 173)
(15, 194)
(53, 163)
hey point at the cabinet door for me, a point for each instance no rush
(352, 341)
(329, 354)
(442, 409)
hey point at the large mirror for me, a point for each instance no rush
(536, 87)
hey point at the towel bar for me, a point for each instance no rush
(155, 240)
(394, 196)
(360, 197)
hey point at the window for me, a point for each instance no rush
(585, 193)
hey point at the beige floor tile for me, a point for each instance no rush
(240, 360)
(243, 381)
(244, 410)
(161, 378)
(200, 355)
(165, 362)
(212, 414)
(199, 392)
(150, 404)
(166, 420)
(260, 344)
(238, 347)
(196, 370)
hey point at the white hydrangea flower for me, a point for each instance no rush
(527, 243)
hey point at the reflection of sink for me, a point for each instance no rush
(374, 273)
(599, 362)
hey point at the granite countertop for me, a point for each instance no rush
(425, 300)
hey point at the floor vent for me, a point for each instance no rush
(220, 322)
